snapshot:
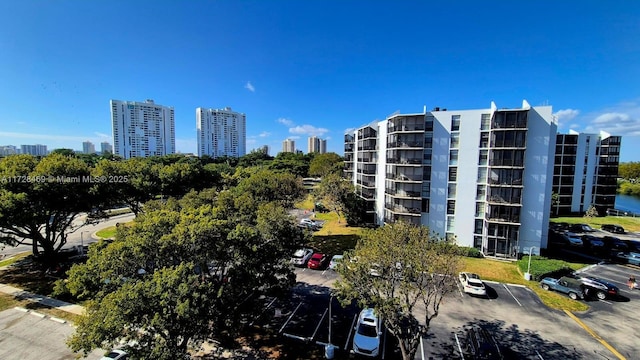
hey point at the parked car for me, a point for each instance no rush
(558, 226)
(572, 239)
(472, 284)
(318, 261)
(632, 258)
(634, 245)
(115, 355)
(482, 345)
(592, 242)
(366, 340)
(615, 244)
(612, 228)
(597, 287)
(565, 285)
(301, 257)
(335, 260)
(581, 228)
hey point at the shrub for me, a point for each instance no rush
(470, 252)
(542, 267)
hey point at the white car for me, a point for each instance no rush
(335, 260)
(366, 340)
(115, 355)
(301, 257)
(572, 239)
(472, 284)
(308, 222)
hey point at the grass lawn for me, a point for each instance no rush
(508, 272)
(107, 233)
(13, 259)
(628, 223)
(8, 301)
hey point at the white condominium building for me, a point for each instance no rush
(142, 129)
(88, 147)
(317, 145)
(481, 177)
(35, 150)
(289, 146)
(221, 132)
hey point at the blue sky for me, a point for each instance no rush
(301, 68)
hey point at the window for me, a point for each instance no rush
(451, 190)
(482, 175)
(453, 157)
(453, 174)
(484, 139)
(425, 205)
(451, 223)
(455, 141)
(429, 123)
(451, 207)
(483, 158)
(485, 122)
(455, 122)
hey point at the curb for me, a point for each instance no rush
(595, 335)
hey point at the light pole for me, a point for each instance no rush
(527, 275)
(329, 349)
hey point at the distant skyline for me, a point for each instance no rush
(313, 68)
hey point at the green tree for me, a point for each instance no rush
(629, 171)
(591, 212)
(39, 201)
(134, 182)
(324, 164)
(333, 191)
(412, 267)
(183, 272)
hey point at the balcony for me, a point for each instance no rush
(367, 147)
(405, 144)
(369, 184)
(404, 161)
(515, 220)
(406, 128)
(506, 163)
(366, 160)
(367, 171)
(399, 209)
(498, 182)
(403, 194)
(405, 178)
(514, 200)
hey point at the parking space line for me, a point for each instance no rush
(595, 335)
(605, 301)
(537, 353)
(421, 349)
(263, 311)
(510, 293)
(353, 323)
(319, 323)
(290, 316)
(459, 347)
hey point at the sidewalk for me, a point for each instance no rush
(44, 300)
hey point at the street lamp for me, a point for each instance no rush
(527, 275)
(329, 349)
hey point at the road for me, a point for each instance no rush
(79, 236)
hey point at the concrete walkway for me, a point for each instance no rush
(44, 300)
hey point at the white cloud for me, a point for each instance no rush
(566, 115)
(295, 137)
(574, 126)
(103, 136)
(308, 130)
(328, 138)
(265, 134)
(349, 130)
(285, 121)
(249, 86)
(621, 119)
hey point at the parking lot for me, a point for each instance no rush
(523, 326)
(19, 328)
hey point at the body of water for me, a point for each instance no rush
(628, 203)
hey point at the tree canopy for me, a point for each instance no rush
(185, 271)
(324, 164)
(395, 269)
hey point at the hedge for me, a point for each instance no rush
(470, 252)
(542, 267)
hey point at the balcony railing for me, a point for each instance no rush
(403, 177)
(511, 163)
(505, 200)
(516, 182)
(367, 147)
(405, 144)
(401, 209)
(412, 161)
(401, 128)
(369, 184)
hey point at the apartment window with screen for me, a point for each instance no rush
(453, 157)
(451, 190)
(425, 205)
(453, 173)
(485, 122)
(451, 223)
(455, 122)
(451, 207)
(483, 158)
(455, 141)
(484, 139)
(429, 123)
